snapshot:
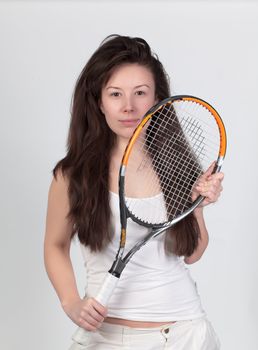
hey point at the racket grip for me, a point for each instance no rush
(102, 297)
(107, 289)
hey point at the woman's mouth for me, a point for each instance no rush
(129, 122)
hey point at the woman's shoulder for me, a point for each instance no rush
(60, 181)
(59, 226)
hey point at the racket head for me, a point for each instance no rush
(174, 144)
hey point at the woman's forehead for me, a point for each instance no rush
(131, 74)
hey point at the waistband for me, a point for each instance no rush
(114, 328)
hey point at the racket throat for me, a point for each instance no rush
(117, 268)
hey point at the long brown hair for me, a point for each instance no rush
(90, 142)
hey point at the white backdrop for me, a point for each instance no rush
(210, 49)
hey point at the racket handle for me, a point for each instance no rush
(103, 297)
(107, 289)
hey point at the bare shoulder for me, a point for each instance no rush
(58, 200)
(59, 182)
(58, 225)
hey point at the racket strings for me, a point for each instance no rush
(176, 154)
(176, 149)
(168, 147)
(187, 115)
(178, 196)
(164, 167)
(173, 195)
(190, 129)
(207, 121)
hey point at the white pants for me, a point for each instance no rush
(183, 335)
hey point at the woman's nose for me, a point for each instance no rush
(128, 105)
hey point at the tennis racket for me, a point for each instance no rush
(175, 143)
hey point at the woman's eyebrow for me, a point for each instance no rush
(136, 87)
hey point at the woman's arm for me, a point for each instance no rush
(86, 313)
(57, 243)
(210, 187)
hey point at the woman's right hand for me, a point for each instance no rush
(86, 313)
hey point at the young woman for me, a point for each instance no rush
(120, 82)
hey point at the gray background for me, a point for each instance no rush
(210, 49)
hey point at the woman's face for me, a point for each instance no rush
(127, 96)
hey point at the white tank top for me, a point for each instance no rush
(154, 286)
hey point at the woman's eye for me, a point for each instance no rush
(140, 93)
(115, 94)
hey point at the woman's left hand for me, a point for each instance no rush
(209, 186)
